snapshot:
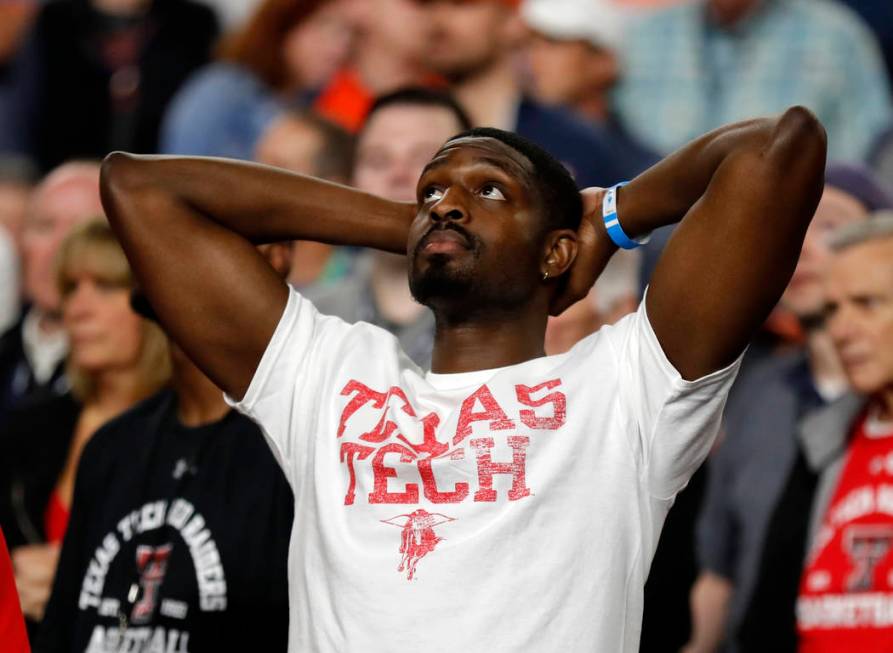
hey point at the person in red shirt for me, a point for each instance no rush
(845, 600)
(12, 625)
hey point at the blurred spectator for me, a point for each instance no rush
(693, 67)
(573, 61)
(747, 474)
(31, 353)
(882, 156)
(17, 179)
(229, 508)
(474, 46)
(16, 183)
(310, 145)
(402, 132)
(845, 588)
(281, 57)
(391, 41)
(9, 280)
(12, 627)
(233, 14)
(878, 15)
(116, 359)
(96, 75)
(614, 295)
(15, 18)
(575, 323)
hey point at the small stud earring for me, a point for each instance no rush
(545, 275)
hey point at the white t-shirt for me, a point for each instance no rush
(514, 509)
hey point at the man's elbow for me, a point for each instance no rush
(800, 134)
(119, 179)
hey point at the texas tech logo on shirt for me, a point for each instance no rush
(410, 458)
(417, 537)
(385, 443)
(152, 564)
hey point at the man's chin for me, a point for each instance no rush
(438, 284)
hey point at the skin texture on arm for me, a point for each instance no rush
(710, 597)
(189, 226)
(745, 194)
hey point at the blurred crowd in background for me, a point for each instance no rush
(364, 92)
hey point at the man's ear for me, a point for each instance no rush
(559, 253)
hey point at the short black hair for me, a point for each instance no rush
(557, 189)
(421, 96)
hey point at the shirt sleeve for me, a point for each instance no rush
(286, 391)
(673, 422)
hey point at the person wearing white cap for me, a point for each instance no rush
(573, 62)
(572, 52)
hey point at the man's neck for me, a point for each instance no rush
(488, 340)
(199, 401)
(491, 95)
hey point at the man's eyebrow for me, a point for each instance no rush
(508, 166)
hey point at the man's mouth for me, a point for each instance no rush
(444, 241)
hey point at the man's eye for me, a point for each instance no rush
(432, 194)
(492, 193)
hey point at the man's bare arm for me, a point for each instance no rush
(188, 226)
(747, 193)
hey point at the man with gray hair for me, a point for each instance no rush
(845, 591)
(32, 351)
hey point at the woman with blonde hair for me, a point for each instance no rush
(116, 358)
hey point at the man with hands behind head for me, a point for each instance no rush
(517, 494)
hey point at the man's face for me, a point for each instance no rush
(396, 144)
(805, 294)
(465, 36)
(477, 235)
(860, 313)
(563, 72)
(55, 209)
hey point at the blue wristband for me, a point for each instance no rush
(612, 223)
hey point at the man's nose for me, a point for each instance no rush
(450, 208)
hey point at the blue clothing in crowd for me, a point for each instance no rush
(221, 111)
(684, 76)
(595, 156)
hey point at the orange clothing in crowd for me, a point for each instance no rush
(13, 638)
(345, 100)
